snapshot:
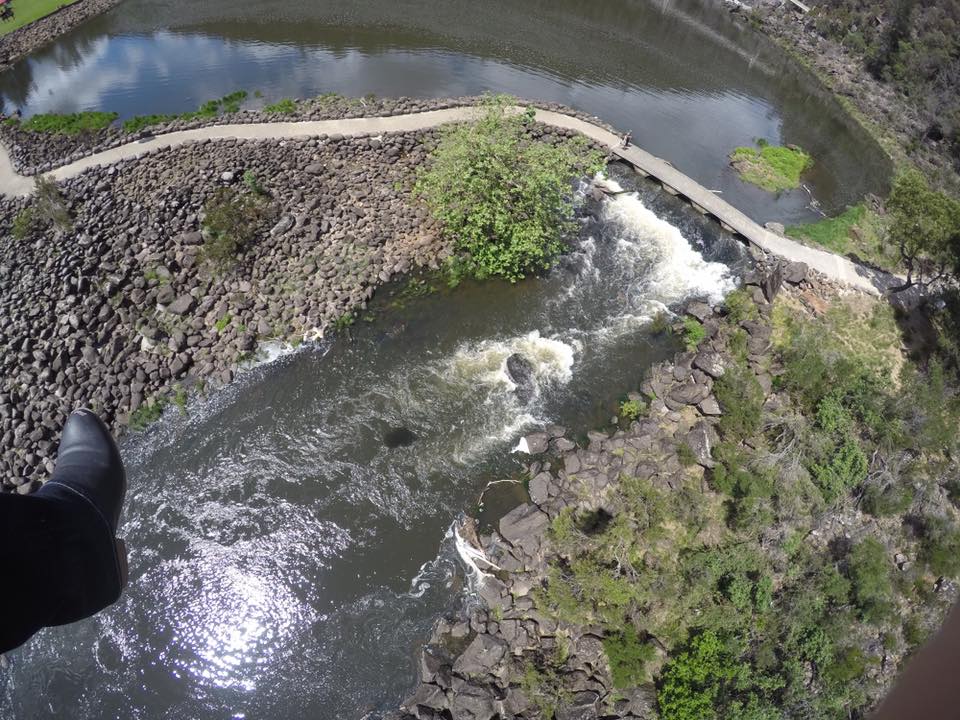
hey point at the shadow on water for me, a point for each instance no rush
(289, 538)
(688, 81)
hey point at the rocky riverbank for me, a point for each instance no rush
(510, 654)
(39, 152)
(34, 36)
(122, 311)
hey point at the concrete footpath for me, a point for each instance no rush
(833, 266)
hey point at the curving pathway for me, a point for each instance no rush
(833, 266)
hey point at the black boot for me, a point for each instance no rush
(89, 478)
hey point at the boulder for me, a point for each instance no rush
(689, 393)
(481, 657)
(771, 283)
(775, 227)
(523, 523)
(699, 310)
(285, 223)
(536, 443)
(711, 363)
(701, 440)
(182, 305)
(795, 272)
(520, 371)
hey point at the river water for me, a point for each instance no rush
(682, 76)
(285, 561)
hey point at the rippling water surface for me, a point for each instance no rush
(285, 562)
(680, 74)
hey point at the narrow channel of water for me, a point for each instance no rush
(689, 82)
(285, 561)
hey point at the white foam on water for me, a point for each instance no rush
(486, 362)
(678, 271)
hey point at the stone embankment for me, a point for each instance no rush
(474, 666)
(123, 309)
(25, 40)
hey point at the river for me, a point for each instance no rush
(287, 555)
(689, 82)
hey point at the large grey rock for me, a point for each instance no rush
(521, 374)
(690, 393)
(537, 443)
(474, 702)
(711, 363)
(523, 523)
(699, 310)
(165, 295)
(285, 223)
(701, 440)
(481, 657)
(582, 706)
(771, 283)
(425, 696)
(182, 305)
(795, 272)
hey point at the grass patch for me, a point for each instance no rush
(140, 122)
(28, 12)
(147, 414)
(771, 167)
(68, 124)
(858, 230)
(284, 107)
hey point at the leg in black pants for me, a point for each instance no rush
(62, 561)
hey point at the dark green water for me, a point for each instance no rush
(681, 75)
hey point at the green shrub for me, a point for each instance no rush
(849, 665)
(741, 399)
(70, 124)
(221, 324)
(694, 333)
(740, 306)
(845, 468)
(685, 455)
(660, 323)
(628, 656)
(892, 499)
(831, 233)
(631, 409)
(231, 222)
(251, 181)
(869, 570)
(23, 223)
(147, 414)
(506, 200)
(49, 205)
(286, 106)
(940, 546)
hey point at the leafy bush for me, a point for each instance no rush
(845, 468)
(893, 499)
(628, 656)
(286, 106)
(741, 399)
(506, 200)
(49, 205)
(631, 409)
(231, 222)
(940, 546)
(869, 570)
(70, 124)
(23, 223)
(740, 306)
(693, 333)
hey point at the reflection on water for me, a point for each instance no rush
(689, 82)
(285, 561)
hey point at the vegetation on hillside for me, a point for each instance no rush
(914, 46)
(506, 199)
(232, 219)
(771, 167)
(719, 592)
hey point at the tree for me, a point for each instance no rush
(504, 198)
(926, 229)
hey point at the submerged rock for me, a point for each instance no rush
(398, 437)
(520, 371)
